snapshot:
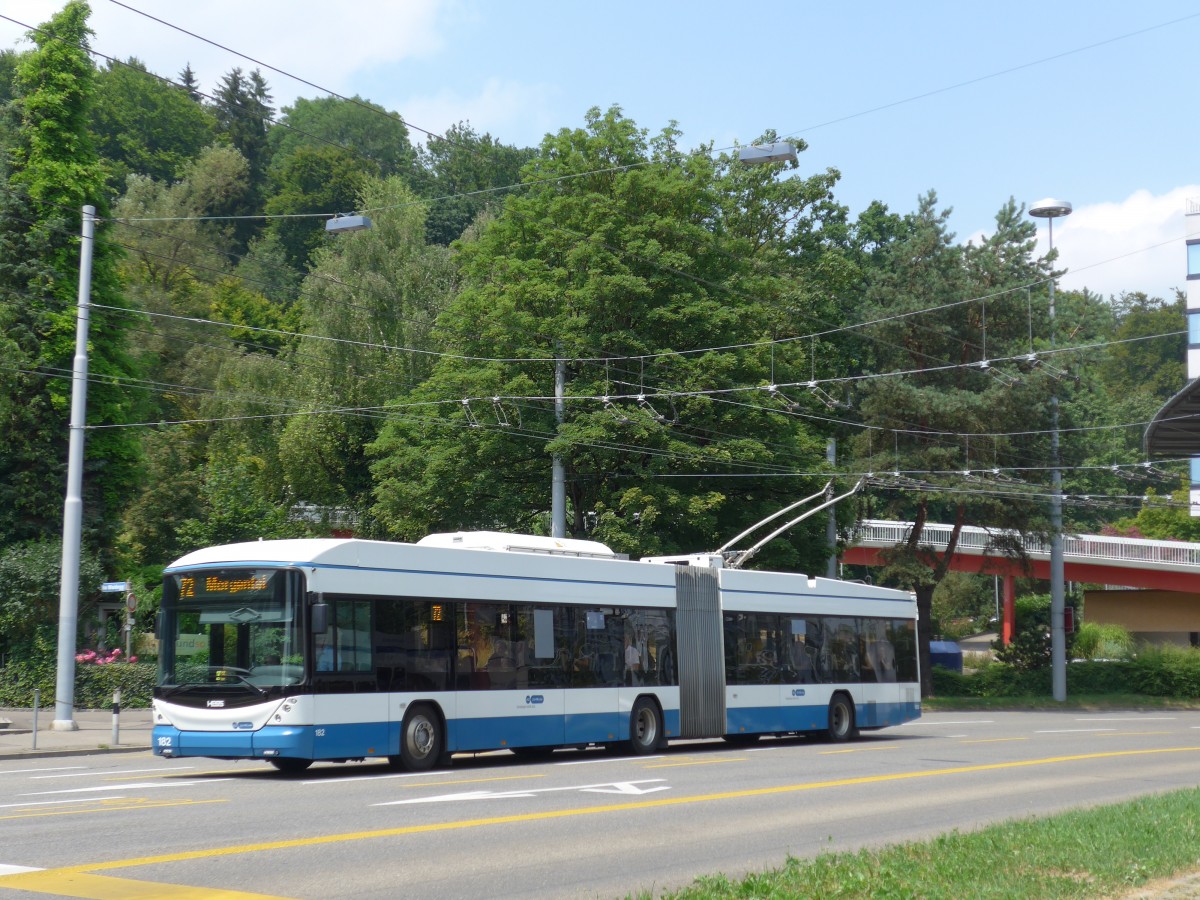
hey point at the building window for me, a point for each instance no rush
(1193, 323)
(1193, 261)
(1195, 467)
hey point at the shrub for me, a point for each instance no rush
(1098, 677)
(1167, 671)
(1096, 641)
(948, 683)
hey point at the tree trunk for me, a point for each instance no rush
(924, 594)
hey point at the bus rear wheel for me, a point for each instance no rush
(420, 739)
(291, 766)
(841, 720)
(645, 727)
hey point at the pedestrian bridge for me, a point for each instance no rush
(1171, 569)
(1091, 558)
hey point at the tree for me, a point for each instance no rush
(368, 305)
(311, 180)
(376, 138)
(30, 574)
(144, 125)
(461, 173)
(942, 311)
(615, 260)
(189, 83)
(54, 171)
(242, 105)
(1155, 368)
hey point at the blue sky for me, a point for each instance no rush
(1084, 101)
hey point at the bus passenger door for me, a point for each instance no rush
(350, 713)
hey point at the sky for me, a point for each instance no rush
(1087, 101)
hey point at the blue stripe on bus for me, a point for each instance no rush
(381, 739)
(768, 719)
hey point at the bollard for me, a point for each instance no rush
(37, 696)
(116, 734)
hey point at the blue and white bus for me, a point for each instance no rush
(294, 651)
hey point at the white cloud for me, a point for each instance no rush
(1135, 244)
(326, 45)
(513, 112)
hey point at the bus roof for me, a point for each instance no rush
(517, 543)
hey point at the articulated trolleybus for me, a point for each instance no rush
(296, 651)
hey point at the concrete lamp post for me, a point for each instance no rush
(1051, 209)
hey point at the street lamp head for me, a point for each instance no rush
(1050, 209)
(760, 154)
(339, 224)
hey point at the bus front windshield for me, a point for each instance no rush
(232, 627)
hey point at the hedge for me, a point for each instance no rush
(94, 685)
(1172, 672)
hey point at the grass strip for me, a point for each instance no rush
(1103, 851)
(1141, 702)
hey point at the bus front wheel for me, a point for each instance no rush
(841, 719)
(645, 727)
(420, 739)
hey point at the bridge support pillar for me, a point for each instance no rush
(1010, 613)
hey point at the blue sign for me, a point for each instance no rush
(114, 587)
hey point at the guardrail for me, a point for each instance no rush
(1094, 548)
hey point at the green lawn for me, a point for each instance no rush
(1105, 851)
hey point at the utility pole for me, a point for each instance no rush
(68, 597)
(558, 486)
(831, 526)
(1050, 210)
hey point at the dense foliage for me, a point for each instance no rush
(716, 326)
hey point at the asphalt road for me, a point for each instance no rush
(581, 824)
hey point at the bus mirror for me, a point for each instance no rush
(320, 618)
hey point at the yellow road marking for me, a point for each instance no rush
(995, 740)
(63, 883)
(659, 802)
(698, 762)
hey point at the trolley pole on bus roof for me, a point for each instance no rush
(68, 596)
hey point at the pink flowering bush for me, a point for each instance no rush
(102, 659)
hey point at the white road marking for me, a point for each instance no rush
(54, 802)
(610, 787)
(1072, 730)
(100, 774)
(27, 771)
(139, 786)
(16, 870)
(604, 759)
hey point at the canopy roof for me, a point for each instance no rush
(1175, 429)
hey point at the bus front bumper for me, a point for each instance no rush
(270, 742)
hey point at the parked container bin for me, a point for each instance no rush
(946, 654)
